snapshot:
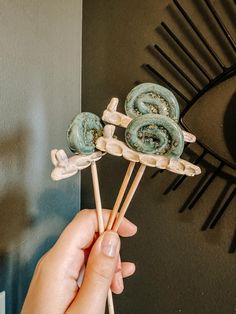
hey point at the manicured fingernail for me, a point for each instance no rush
(110, 244)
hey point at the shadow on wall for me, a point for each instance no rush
(13, 199)
(13, 217)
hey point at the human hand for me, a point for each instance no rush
(54, 288)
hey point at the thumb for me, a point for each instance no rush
(100, 269)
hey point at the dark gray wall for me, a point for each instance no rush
(179, 268)
(40, 76)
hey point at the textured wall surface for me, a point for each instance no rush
(180, 269)
(40, 63)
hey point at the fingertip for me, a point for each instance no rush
(127, 228)
(134, 228)
(117, 285)
(128, 269)
(116, 291)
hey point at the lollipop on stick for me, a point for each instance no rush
(82, 134)
(153, 133)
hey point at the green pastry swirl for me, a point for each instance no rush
(155, 134)
(151, 98)
(83, 132)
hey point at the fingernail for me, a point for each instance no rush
(110, 244)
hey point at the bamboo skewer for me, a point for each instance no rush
(98, 203)
(120, 195)
(97, 197)
(129, 197)
(110, 303)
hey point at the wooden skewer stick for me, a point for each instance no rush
(120, 195)
(129, 197)
(97, 197)
(110, 303)
(98, 203)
